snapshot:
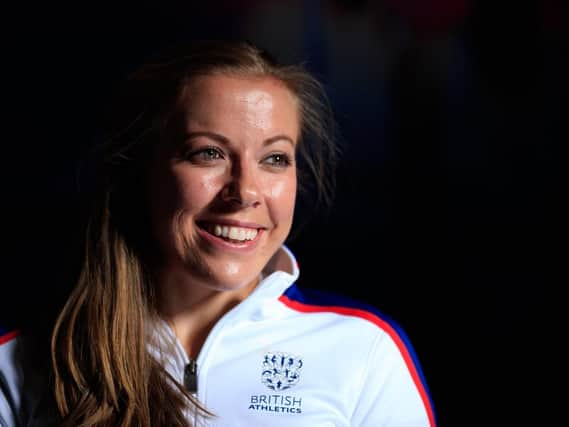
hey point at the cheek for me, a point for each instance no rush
(197, 190)
(283, 197)
(178, 196)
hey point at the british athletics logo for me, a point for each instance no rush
(280, 371)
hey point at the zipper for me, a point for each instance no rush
(191, 376)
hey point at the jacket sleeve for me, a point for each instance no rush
(393, 391)
(11, 381)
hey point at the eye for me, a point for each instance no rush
(280, 160)
(205, 155)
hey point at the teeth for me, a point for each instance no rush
(234, 233)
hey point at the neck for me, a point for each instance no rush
(192, 310)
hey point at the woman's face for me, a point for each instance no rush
(223, 184)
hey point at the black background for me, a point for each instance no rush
(447, 214)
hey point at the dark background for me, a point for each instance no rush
(447, 215)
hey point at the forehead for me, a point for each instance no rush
(263, 102)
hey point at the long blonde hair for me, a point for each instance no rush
(103, 372)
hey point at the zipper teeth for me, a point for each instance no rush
(190, 376)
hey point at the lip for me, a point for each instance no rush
(219, 243)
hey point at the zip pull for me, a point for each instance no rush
(191, 376)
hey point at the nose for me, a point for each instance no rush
(242, 189)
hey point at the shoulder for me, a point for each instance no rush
(22, 382)
(383, 332)
(393, 384)
(11, 378)
(390, 347)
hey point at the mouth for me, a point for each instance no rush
(235, 234)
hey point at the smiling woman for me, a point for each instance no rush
(187, 311)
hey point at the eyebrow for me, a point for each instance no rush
(225, 141)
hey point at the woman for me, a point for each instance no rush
(186, 311)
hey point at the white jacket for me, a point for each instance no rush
(289, 356)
